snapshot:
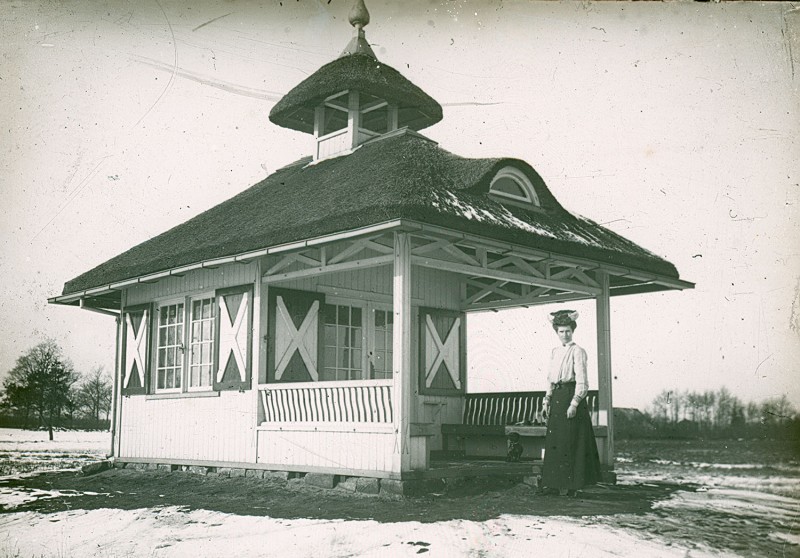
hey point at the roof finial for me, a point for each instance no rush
(359, 16)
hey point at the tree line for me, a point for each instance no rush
(711, 413)
(44, 390)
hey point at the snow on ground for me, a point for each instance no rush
(174, 532)
(31, 450)
(13, 439)
(740, 499)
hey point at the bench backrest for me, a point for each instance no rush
(504, 408)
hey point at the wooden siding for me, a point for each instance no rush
(438, 410)
(430, 287)
(364, 451)
(225, 428)
(203, 428)
(230, 275)
(333, 143)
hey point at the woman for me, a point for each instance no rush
(570, 457)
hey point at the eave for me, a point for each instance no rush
(624, 280)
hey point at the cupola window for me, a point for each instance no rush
(374, 114)
(335, 114)
(512, 185)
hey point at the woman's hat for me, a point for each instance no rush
(563, 317)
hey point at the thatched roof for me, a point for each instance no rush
(416, 109)
(404, 176)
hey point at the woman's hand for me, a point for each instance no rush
(572, 411)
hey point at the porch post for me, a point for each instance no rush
(119, 375)
(604, 367)
(401, 353)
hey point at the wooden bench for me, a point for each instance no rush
(490, 417)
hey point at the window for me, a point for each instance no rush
(176, 367)
(381, 356)
(343, 343)
(357, 341)
(511, 184)
(335, 114)
(170, 348)
(374, 114)
(201, 343)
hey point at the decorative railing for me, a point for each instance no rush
(521, 407)
(328, 402)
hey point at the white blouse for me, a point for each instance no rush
(568, 364)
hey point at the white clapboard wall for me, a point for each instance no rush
(226, 427)
(216, 428)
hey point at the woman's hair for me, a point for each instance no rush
(564, 318)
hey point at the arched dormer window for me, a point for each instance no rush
(512, 185)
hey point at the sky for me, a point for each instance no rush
(674, 124)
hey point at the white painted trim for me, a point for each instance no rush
(256, 360)
(402, 367)
(357, 427)
(324, 384)
(524, 302)
(181, 394)
(505, 275)
(668, 282)
(344, 266)
(522, 181)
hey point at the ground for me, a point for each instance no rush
(662, 507)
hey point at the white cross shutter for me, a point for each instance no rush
(233, 323)
(438, 352)
(290, 339)
(136, 340)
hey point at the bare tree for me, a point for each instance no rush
(94, 394)
(39, 385)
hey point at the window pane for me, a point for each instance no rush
(330, 335)
(356, 317)
(356, 337)
(343, 315)
(330, 356)
(333, 120)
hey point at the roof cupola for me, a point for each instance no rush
(354, 99)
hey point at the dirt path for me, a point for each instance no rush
(643, 509)
(478, 500)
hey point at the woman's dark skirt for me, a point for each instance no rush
(570, 457)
